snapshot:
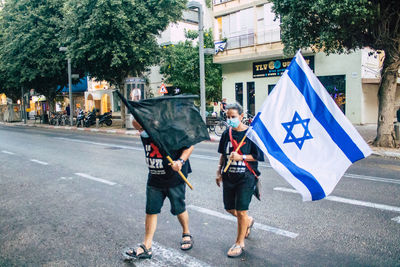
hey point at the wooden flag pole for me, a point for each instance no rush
(180, 173)
(237, 149)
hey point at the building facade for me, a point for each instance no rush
(174, 34)
(253, 61)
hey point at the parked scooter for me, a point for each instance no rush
(91, 118)
(105, 118)
(80, 118)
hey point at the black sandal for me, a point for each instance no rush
(146, 254)
(187, 242)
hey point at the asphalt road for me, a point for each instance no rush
(77, 199)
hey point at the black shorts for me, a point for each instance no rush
(238, 190)
(155, 199)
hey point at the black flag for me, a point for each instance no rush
(172, 122)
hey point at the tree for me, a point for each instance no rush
(111, 39)
(29, 47)
(180, 66)
(342, 26)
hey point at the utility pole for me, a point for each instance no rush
(191, 5)
(23, 104)
(71, 106)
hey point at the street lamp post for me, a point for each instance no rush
(192, 5)
(71, 109)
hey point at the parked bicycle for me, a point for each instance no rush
(248, 119)
(216, 125)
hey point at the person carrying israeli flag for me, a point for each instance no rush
(306, 137)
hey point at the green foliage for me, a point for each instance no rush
(180, 67)
(338, 25)
(29, 46)
(112, 39)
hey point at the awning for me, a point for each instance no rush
(80, 87)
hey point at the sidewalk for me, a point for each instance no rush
(368, 132)
(115, 128)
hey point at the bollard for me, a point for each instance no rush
(97, 123)
(397, 130)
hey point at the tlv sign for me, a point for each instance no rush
(276, 67)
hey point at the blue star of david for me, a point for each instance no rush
(289, 126)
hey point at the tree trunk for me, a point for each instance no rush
(386, 97)
(121, 88)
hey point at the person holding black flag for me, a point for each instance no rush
(240, 179)
(169, 127)
(163, 182)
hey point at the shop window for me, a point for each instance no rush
(270, 87)
(251, 98)
(336, 87)
(239, 93)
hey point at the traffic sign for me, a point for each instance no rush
(163, 89)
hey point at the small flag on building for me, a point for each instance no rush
(307, 138)
(163, 90)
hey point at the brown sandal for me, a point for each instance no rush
(249, 228)
(236, 255)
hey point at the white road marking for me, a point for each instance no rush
(372, 178)
(7, 152)
(233, 219)
(164, 256)
(214, 158)
(87, 176)
(39, 162)
(100, 144)
(396, 219)
(348, 201)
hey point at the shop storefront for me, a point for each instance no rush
(250, 82)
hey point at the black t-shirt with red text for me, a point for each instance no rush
(238, 168)
(160, 173)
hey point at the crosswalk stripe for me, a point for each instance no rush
(164, 256)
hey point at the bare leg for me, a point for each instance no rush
(183, 219)
(151, 225)
(233, 212)
(243, 222)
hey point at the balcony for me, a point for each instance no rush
(269, 36)
(217, 2)
(265, 43)
(250, 39)
(240, 41)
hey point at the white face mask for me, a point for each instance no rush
(144, 134)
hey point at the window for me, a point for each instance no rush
(336, 87)
(251, 98)
(268, 29)
(270, 87)
(239, 93)
(237, 28)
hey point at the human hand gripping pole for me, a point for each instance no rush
(131, 110)
(180, 173)
(237, 149)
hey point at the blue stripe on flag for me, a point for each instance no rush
(322, 114)
(317, 192)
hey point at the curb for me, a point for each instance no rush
(213, 139)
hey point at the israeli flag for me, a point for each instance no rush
(306, 137)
